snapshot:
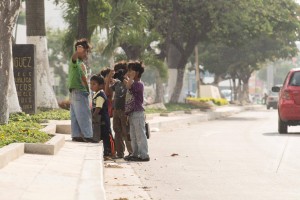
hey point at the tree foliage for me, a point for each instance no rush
(98, 11)
(234, 37)
(238, 34)
(238, 45)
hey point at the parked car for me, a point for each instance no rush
(289, 101)
(272, 100)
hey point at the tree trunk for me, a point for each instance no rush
(173, 58)
(8, 14)
(177, 57)
(45, 94)
(36, 34)
(246, 88)
(82, 31)
(246, 91)
(197, 71)
(159, 98)
(13, 100)
(5, 64)
(132, 52)
(14, 105)
(176, 61)
(217, 80)
(178, 86)
(234, 89)
(239, 91)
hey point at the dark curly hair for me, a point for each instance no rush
(104, 72)
(98, 78)
(136, 66)
(121, 65)
(84, 43)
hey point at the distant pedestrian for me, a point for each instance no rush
(135, 112)
(265, 97)
(81, 122)
(120, 126)
(100, 108)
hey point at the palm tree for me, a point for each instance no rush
(136, 45)
(83, 17)
(125, 22)
(82, 29)
(128, 32)
(8, 15)
(36, 34)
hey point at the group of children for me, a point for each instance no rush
(118, 93)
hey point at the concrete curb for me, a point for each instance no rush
(193, 111)
(167, 114)
(50, 128)
(15, 150)
(62, 126)
(199, 116)
(91, 182)
(49, 148)
(162, 125)
(10, 153)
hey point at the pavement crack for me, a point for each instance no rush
(285, 146)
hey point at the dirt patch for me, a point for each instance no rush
(112, 166)
(121, 199)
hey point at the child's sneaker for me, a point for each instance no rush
(144, 159)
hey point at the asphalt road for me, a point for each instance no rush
(239, 157)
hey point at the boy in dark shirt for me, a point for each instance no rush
(120, 125)
(100, 107)
(135, 111)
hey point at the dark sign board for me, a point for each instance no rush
(24, 73)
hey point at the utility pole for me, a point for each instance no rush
(197, 71)
(270, 77)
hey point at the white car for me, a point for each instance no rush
(272, 100)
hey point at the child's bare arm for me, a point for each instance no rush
(130, 80)
(96, 112)
(79, 50)
(108, 91)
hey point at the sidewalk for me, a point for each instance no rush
(76, 171)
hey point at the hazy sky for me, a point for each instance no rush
(53, 18)
(53, 15)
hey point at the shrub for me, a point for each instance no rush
(218, 102)
(26, 128)
(40, 117)
(22, 132)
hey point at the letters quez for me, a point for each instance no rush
(22, 62)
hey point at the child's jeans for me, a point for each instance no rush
(138, 135)
(81, 119)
